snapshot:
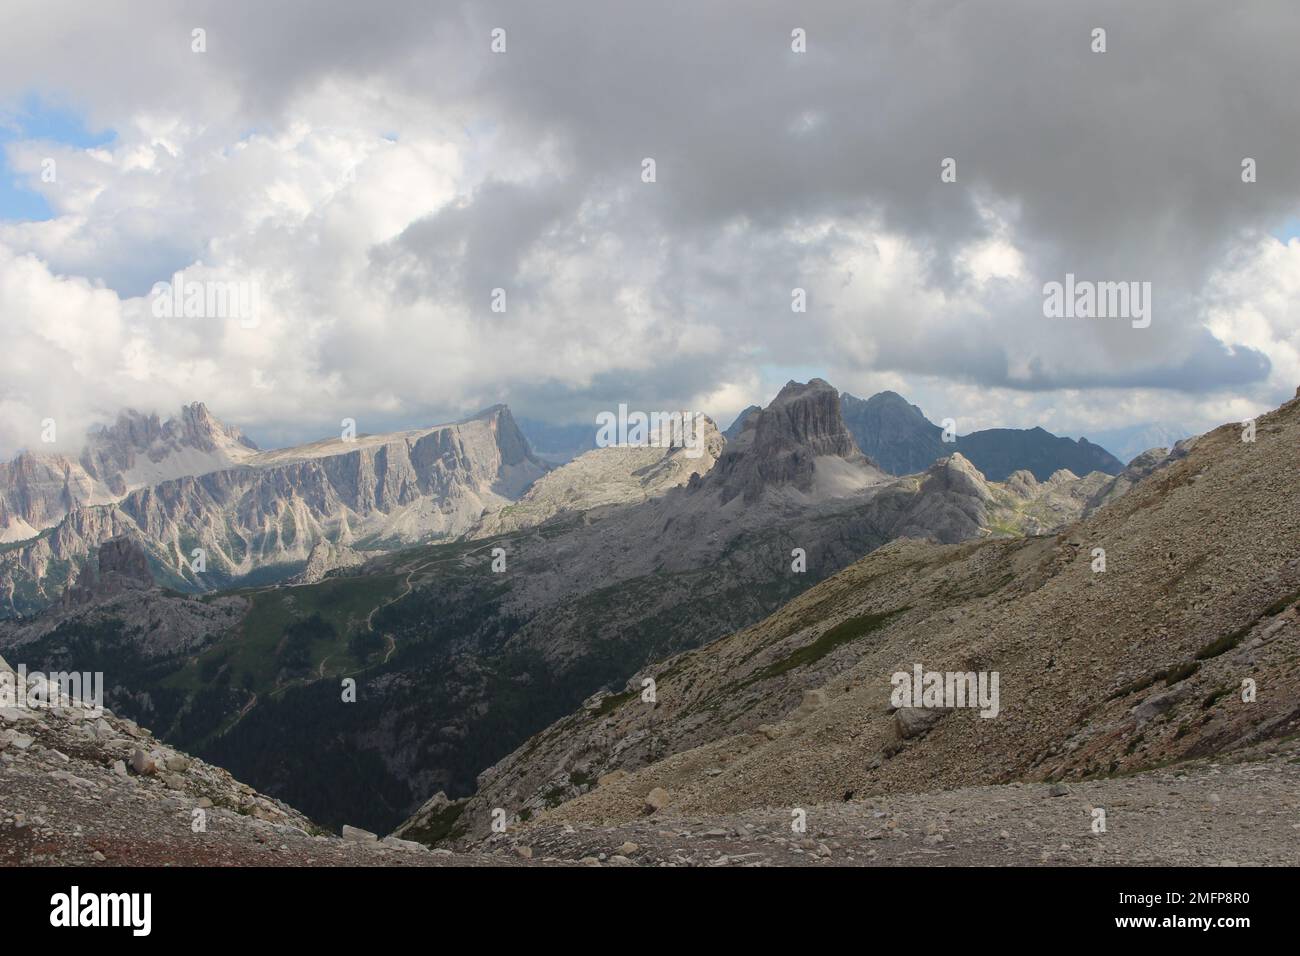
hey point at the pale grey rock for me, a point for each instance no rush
(401, 488)
(357, 835)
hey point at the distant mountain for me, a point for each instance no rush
(37, 490)
(735, 427)
(193, 484)
(616, 559)
(557, 444)
(898, 436)
(1127, 443)
(1000, 451)
(893, 432)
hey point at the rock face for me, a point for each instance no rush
(606, 477)
(270, 509)
(781, 445)
(737, 426)
(122, 565)
(898, 436)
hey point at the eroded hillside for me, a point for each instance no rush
(1101, 672)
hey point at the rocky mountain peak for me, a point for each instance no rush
(806, 417)
(515, 449)
(123, 560)
(956, 474)
(135, 432)
(199, 428)
(780, 444)
(893, 432)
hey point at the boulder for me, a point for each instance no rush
(910, 722)
(357, 835)
(142, 763)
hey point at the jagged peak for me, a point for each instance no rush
(780, 444)
(793, 391)
(193, 425)
(514, 445)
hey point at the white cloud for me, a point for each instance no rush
(377, 175)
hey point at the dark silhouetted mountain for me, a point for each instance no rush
(557, 444)
(997, 452)
(898, 437)
(893, 432)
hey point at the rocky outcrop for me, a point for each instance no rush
(326, 557)
(1140, 467)
(122, 565)
(953, 503)
(609, 477)
(781, 445)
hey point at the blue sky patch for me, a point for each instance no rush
(36, 120)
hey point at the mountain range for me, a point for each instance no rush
(191, 482)
(468, 645)
(897, 435)
(1178, 648)
(253, 515)
(655, 682)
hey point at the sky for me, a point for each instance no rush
(375, 171)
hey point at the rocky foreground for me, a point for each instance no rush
(101, 791)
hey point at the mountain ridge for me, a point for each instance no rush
(471, 645)
(267, 510)
(1113, 669)
(898, 435)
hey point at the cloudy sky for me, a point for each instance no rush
(376, 170)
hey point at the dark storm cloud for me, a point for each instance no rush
(1116, 166)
